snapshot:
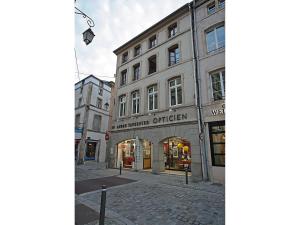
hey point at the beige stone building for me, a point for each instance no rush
(169, 111)
(209, 43)
(155, 100)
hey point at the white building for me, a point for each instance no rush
(92, 104)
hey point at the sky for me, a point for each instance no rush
(116, 22)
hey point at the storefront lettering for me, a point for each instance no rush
(215, 112)
(156, 120)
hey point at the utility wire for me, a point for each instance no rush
(77, 65)
(95, 75)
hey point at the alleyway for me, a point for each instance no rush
(146, 199)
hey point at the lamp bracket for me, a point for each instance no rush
(89, 20)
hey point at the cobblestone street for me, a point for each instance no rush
(154, 199)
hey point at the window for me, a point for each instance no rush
(77, 120)
(125, 57)
(211, 8)
(79, 101)
(152, 98)
(97, 123)
(215, 38)
(135, 102)
(152, 41)
(218, 85)
(137, 50)
(123, 77)
(175, 94)
(99, 103)
(152, 64)
(101, 83)
(217, 143)
(100, 91)
(221, 4)
(122, 105)
(136, 72)
(173, 55)
(172, 30)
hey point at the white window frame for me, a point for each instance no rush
(122, 103)
(214, 30)
(176, 86)
(124, 72)
(221, 5)
(153, 93)
(222, 84)
(209, 12)
(138, 65)
(173, 48)
(172, 30)
(135, 96)
(99, 103)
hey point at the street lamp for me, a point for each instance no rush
(88, 36)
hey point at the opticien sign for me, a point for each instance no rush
(156, 120)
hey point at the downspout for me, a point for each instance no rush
(197, 93)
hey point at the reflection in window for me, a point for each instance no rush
(175, 91)
(217, 141)
(215, 38)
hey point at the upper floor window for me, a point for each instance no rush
(175, 94)
(100, 91)
(101, 84)
(125, 57)
(173, 55)
(221, 4)
(152, 97)
(152, 64)
(137, 50)
(97, 123)
(122, 105)
(215, 38)
(172, 30)
(135, 102)
(136, 72)
(152, 41)
(79, 101)
(99, 103)
(123, 77)
(218, 85)
(211, 8)
(77, 120)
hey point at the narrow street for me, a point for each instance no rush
(146, 199)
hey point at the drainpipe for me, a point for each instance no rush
(197, 93)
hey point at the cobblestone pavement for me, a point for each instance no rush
(155, 199)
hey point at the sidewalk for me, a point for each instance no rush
(154, 199)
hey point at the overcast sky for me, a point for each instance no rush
(116, 22)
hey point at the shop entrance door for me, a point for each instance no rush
(146, 154)
(90, 151)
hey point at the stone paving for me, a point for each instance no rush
(155, 199)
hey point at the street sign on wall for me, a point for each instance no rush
(78, 130)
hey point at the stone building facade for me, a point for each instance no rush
(92, 106)
(155, 99)
(170, 93)
(209, 36)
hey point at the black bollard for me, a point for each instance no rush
(102, 207)
(120, 168)
(186, 175)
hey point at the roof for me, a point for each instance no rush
(109, 83)
(145, 33)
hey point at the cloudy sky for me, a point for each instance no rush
(116, 22)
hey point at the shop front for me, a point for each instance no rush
(177, 153)
(90, 153)
(134, 154)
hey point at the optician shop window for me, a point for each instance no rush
(217, 143)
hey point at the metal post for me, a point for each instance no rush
(186, 175)
(102, 207)
(120, 168)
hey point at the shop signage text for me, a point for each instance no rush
(155, 120)
(216, 112)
